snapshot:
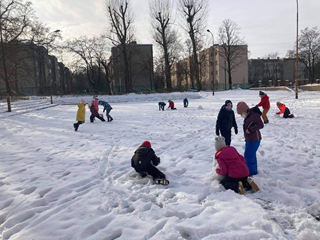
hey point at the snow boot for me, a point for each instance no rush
(161, 181)
(253, 185)
(291, 116)
(266, 122)
(241, 191)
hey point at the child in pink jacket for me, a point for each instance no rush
(233, 167)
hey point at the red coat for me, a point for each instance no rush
(282, 108)
(231, 163)
(265, 103)
(171, 104)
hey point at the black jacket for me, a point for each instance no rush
(143, 157)
(226, 120)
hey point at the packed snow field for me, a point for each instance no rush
(56, 183)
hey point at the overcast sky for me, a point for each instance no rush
(267, 25)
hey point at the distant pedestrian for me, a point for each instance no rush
(144, 161)
(265, 103)
(251, 126)
(81, 114)
(226, 121)
(185, 102)
(171, 105)
(284, 110)
(161, 105)
(94, 113)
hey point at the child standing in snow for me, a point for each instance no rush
(226, 121)
(106, 107)
(144, 161)
(171, 105)
(265, 104)
(81, 114)
(251, 125)
(185, 102)
(233, 167)
(94, 113)
(284, 110)
(161, 105)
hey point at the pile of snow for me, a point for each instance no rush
(56, 183)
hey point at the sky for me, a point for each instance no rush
(267, 25)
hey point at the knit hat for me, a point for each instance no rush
(261, 93)
(146, 143)
(228, 102)
(278, 103)
(242, 107)
(83, 101)
(220, 143)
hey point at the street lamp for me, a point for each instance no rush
(56, 31)
(297, 54)
(208, 30)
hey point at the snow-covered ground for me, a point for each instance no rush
(56, 183)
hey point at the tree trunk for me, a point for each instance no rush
(230, 77)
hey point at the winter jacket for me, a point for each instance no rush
(226, 120)
(95, 102)
(93, 110)
(282, 108)
(171, 104)
(265, 103)
(81, 114)
(106, 105)
(231, 163)
(162, 104)
(143, 157)
(253, 123)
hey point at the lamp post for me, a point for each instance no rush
(56, 31)
(297, 54)
(208, 30)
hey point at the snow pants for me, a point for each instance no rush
(227, 136)
(97, 116)
(161, 107)
(286, 113)
(233, 183)
(109, 118)
(76, 125)
(185, 104)
(264, 114)
(151, 170)
(250, 155)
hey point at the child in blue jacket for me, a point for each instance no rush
(106, 108)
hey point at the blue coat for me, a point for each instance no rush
(106, 105)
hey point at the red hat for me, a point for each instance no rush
(146, 143)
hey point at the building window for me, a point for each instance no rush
(211, 63)
(216, 72)
(211, 72)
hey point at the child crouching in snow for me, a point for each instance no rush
(233, 167)
(284, 110)
(144, 161)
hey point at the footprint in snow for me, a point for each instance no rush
(28, 191)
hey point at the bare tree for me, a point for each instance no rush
(121, 32)
(163, 33)
(194, 13)
(309, 50)
(233, 51)
(19, 30)
(91, 53)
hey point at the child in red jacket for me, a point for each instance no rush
(284, 110)
(171, 105)
(265, 104)
(233, 167)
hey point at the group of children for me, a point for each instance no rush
(171, 104)
(235, 168)
(94, 109)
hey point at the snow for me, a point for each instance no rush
(56, 183)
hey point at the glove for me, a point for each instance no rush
(217, 132)
(236, 130)
(277, 113)
(156, 162)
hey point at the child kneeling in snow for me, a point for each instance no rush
(233, 167)
(144, 161)
(284, 110)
